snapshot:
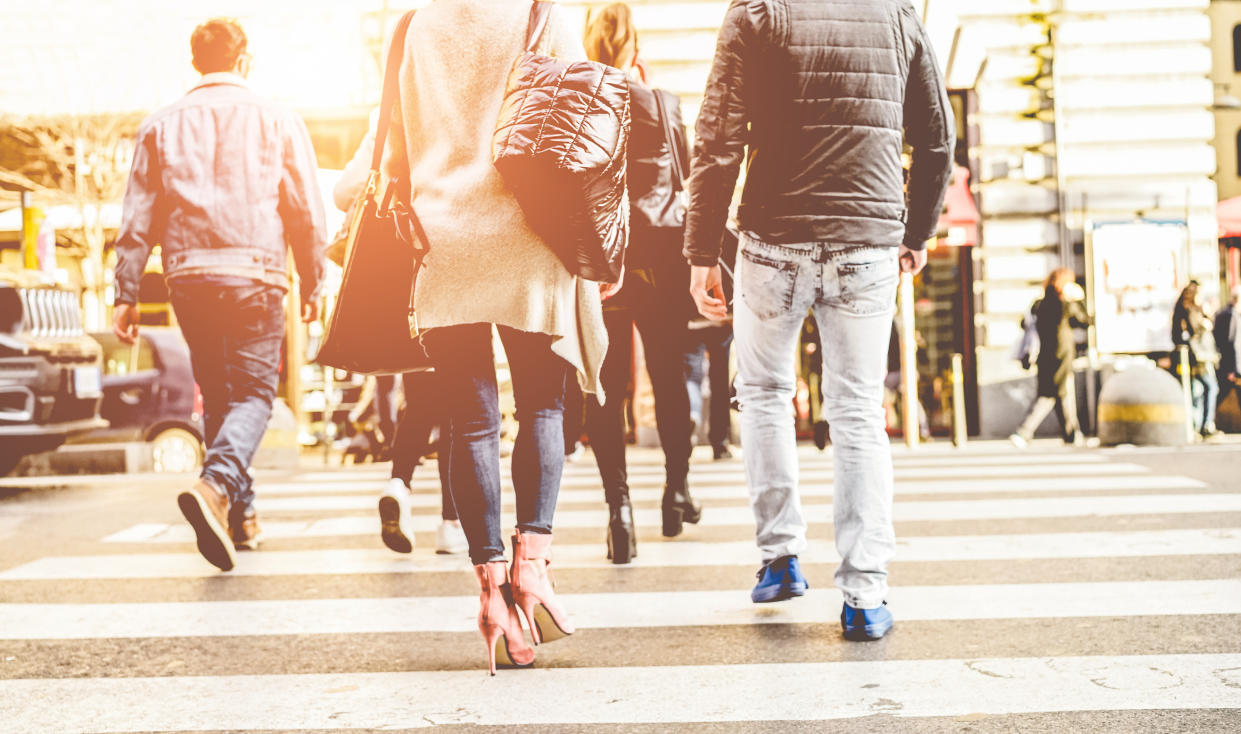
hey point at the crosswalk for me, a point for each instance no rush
(1040, 584)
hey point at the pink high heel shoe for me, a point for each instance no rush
(533, 588)
(498, 620)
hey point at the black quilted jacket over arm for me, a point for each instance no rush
(822, 93)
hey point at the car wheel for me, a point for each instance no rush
(176, 450)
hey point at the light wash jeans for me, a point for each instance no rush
(852, 294)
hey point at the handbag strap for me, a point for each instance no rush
(540, 11)
(670, 138)
(396, 53)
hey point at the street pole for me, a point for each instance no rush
(295, 341)
(30, 233)
(1187, 389)
(959, 432)
(909, 362)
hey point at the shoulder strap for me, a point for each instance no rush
(540, 11)
(396, 53)
(670, 137)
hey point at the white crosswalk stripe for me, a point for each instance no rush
(813, 691)
(597, 611)
(1158, 525)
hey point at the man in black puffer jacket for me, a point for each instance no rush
(822, 92)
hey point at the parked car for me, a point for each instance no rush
(50, 370)
(149, 394)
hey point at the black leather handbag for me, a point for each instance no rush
(560, 146)
(369, 329)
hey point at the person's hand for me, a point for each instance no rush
(125, 322)
(607, 290)
(912, 261)
(1025, 361)
(310, 311)
(707, 288)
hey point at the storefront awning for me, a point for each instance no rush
(959, 220)
(1228, 214)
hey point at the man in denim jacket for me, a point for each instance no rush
(823, 93)
(225, 183)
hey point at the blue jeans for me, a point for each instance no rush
(234, 333)
(1205, 398)
(465, 365)
(851, 293)
(715, 341)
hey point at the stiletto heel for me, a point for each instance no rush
(533, 588)
(498, 620)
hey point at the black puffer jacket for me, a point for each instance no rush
(820, 91)
(560, 145)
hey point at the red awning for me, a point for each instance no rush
(1228, 214)
(960, 217)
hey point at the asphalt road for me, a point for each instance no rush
(1047, 590)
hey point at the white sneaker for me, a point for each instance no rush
(396, 518)
(1018, 441)
(450, 538)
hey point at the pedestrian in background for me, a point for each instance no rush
(1056, 315)
(711, 343)
(486, 269)
(406, 431)
(647, 297)
(226, 183)
(820, 91)
(1227, 333)
(1191, 328)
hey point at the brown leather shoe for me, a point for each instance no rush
(246, 532)
(206, 509)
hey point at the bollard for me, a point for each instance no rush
(1188, 391)
(909, 362)
(959, 433)
(1141, 405)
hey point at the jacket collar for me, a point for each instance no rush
(220, 77)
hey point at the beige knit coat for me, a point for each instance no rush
(485, 264)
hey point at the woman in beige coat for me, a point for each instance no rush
(487, 267)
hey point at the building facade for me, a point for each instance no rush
(1090, 112)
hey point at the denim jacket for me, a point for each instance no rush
(226, 183)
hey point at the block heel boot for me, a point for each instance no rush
(533, 589)
(678, 507)
(498, 620)
(622, 536)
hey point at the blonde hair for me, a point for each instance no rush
(611, 37)
(1059, 278)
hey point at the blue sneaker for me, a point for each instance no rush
(779, 580)
(865, 624)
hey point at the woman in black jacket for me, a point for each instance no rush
(1057, 314)
(651, 295)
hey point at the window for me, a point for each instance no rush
(1238, 150)
(1236, 48)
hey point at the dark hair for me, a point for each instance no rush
(217, 44)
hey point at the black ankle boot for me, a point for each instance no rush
(678, 507)
(622, 537)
